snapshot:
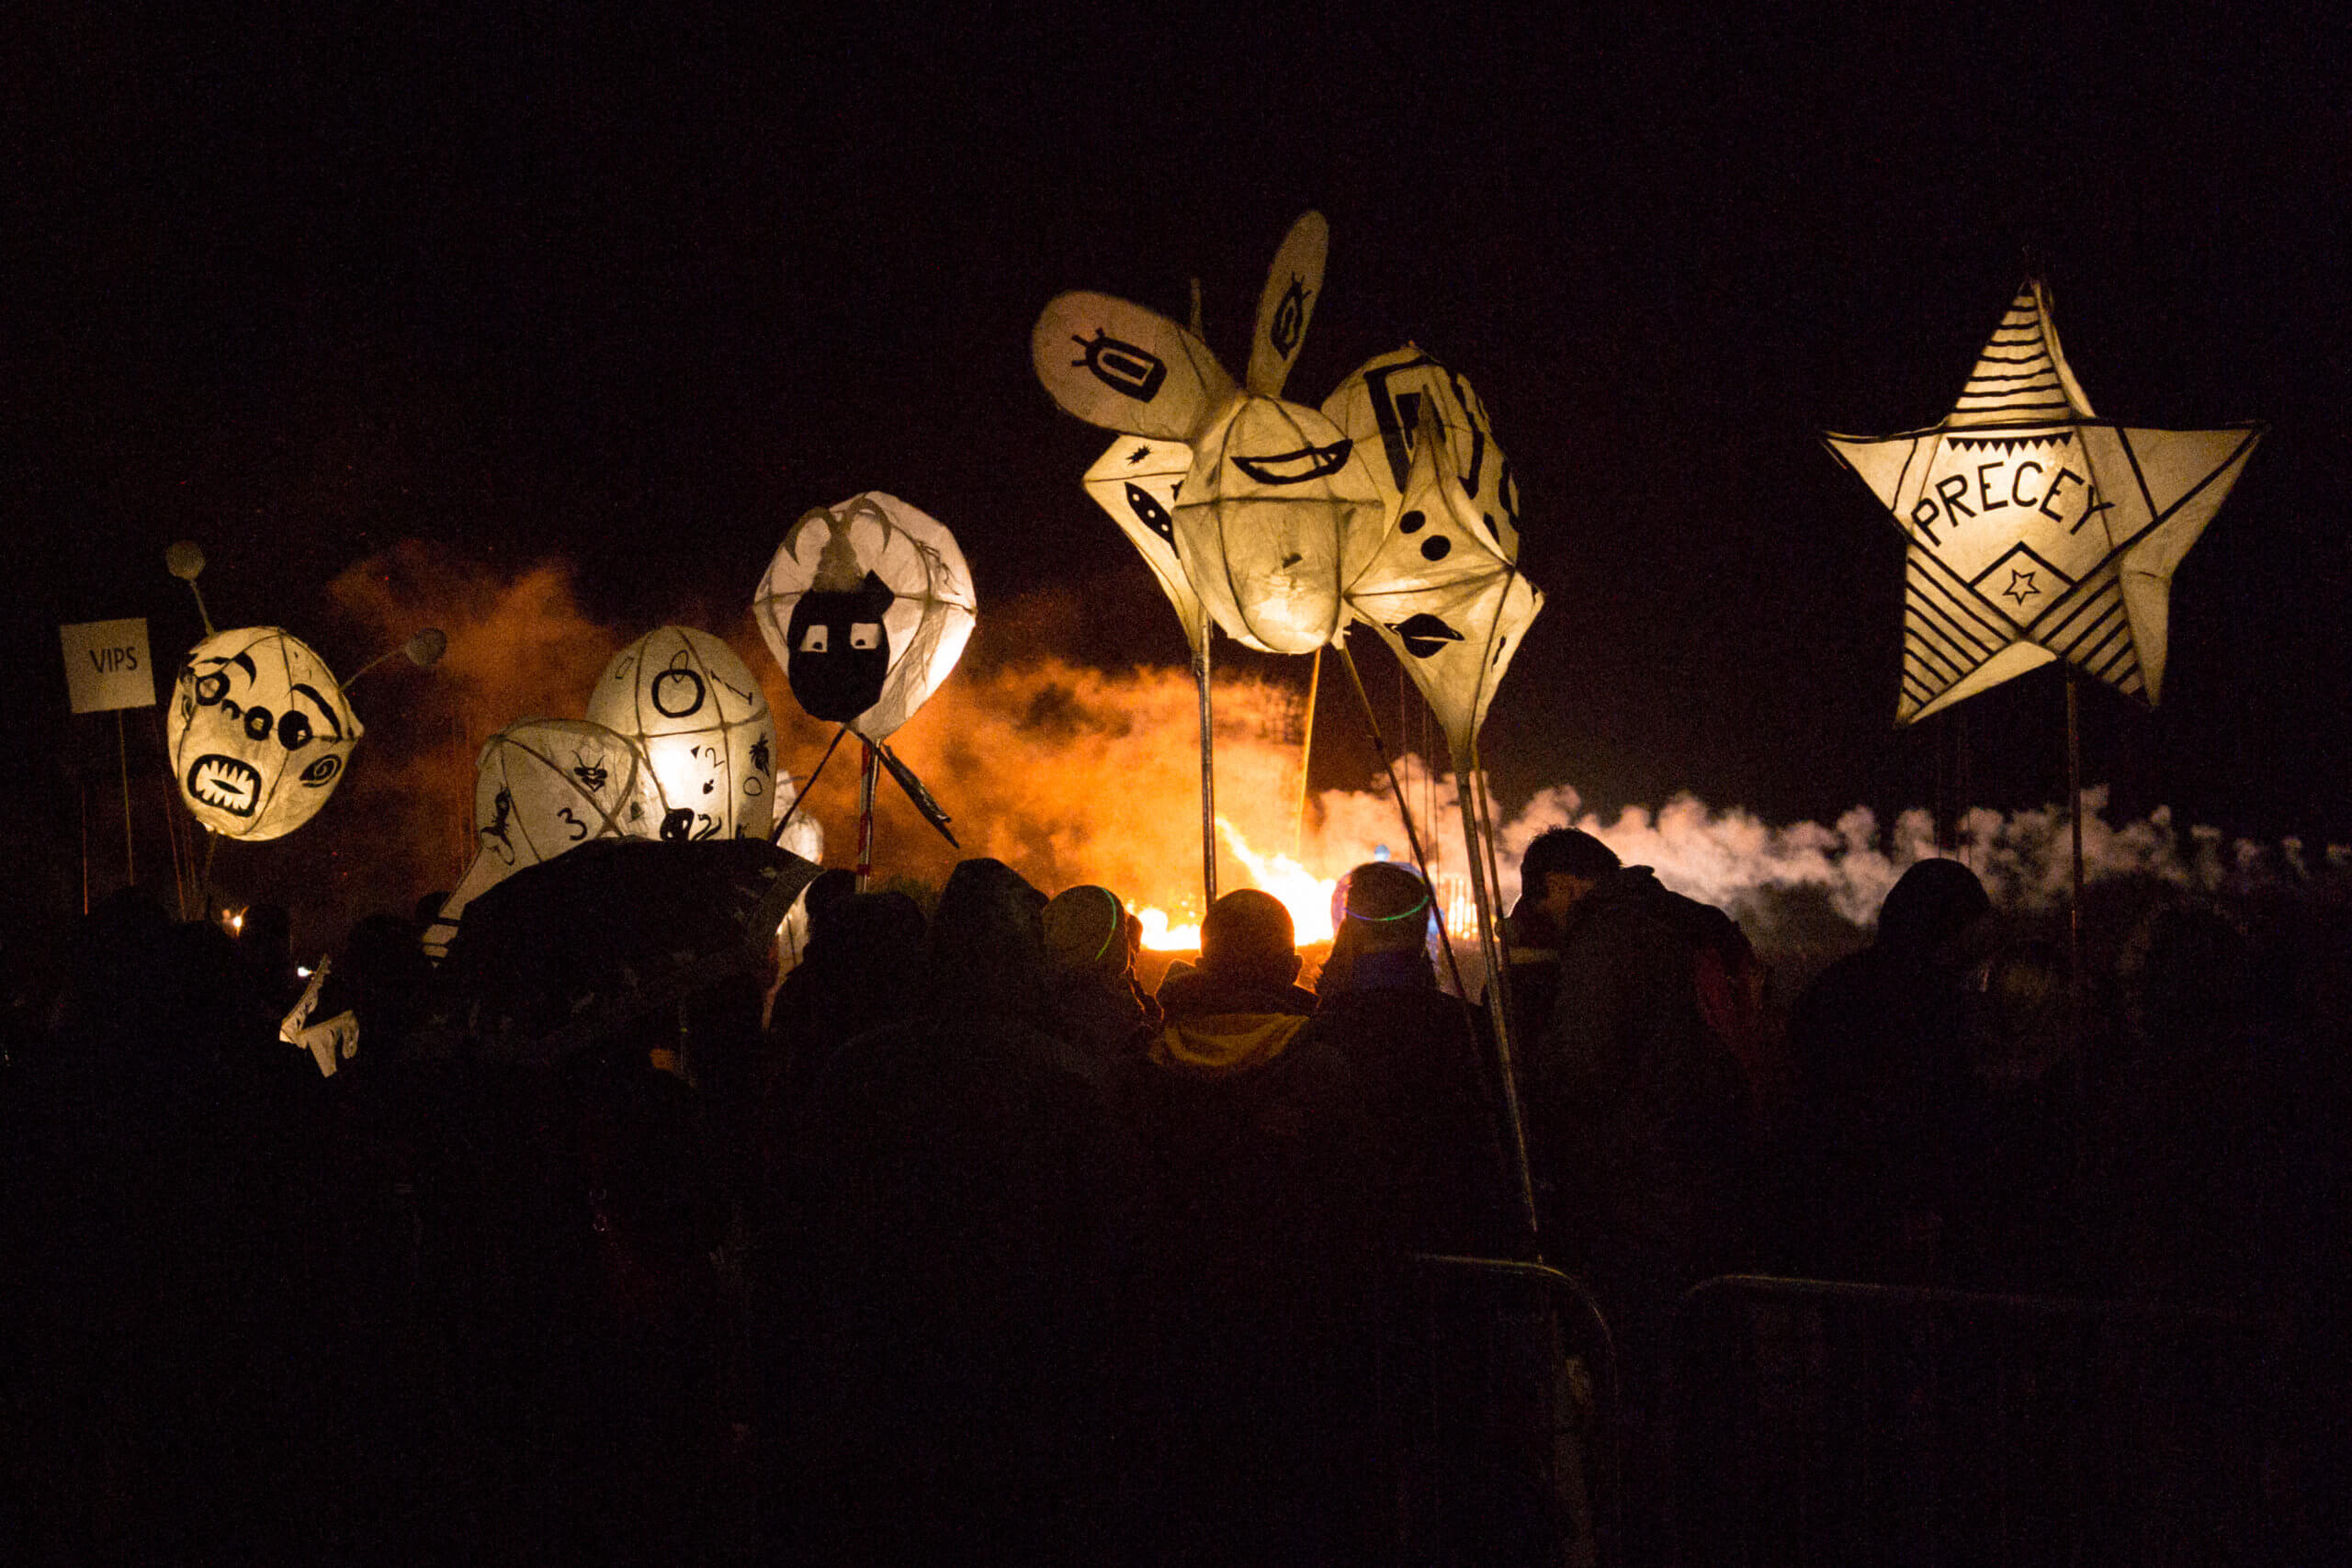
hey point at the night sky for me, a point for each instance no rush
(633, 294)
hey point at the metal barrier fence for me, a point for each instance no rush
(1498, 1379)
(1816, 1423)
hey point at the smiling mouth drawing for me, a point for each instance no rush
(224, 783)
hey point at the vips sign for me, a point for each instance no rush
(107, 665)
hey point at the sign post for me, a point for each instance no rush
(108, 668)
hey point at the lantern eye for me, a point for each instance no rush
(211, 689)
(293, 730)
(866, 634)
(812, 639)
(323, 771)
(257, 723)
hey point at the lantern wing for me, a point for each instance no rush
(691, 705)
(1287, 303)
(1381, 408)
(1266, 523)
(2035, 531)
(1448, 603)
(1137, 481)
(1123, 367)
(259, 733)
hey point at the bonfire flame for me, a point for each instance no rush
(1306, 896)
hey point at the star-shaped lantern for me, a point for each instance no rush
(2037, 530)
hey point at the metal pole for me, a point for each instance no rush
(2074, 817)
(1208, 776)
(777, 836)
(122, 755)
(865, 781)
(1307, 756)
(1470, 798)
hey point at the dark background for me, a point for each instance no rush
(539, 281)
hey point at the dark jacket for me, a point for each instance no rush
(1430, 1117)
(1638, 1107)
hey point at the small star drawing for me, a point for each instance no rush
(2020, 586)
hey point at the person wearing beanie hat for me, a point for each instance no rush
(1434, 1134)
(1093, 1001)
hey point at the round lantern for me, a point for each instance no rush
(542, 785)
(259, 733)
(867, 606)
(694, 709)
(1270, 521)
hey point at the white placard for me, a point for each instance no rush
(107, 665)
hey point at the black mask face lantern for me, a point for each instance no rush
(841, 651)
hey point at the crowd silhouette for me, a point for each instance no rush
(966, 1245)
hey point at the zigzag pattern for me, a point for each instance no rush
(2016, 378)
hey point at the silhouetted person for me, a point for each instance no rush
(1247, 1341)
(965, 1226)
(1432, 1121)
(1882, 1044)
(2200, 1167)
(2011, 1209)
(1094, 1004)
(1638, 1119)
(1640, 1105)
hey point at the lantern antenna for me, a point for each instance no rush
(1197, 331)
(185, 560)
(425, 651)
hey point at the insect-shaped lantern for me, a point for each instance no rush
(1261, 514)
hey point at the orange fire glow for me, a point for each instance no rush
(1306, 896)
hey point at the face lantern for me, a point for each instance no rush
(259, 733)
(1274, 518)
(696, 712)
(866, 607)
(1443, 597)
(542, 785)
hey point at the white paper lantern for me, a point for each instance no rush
(1273, 520)
(867, 607)
(694, 709)
(1381, 407)
(2037, 531)
(1443, 597)
(542, 785)
(1137, 481)
(331, 1042)
(259, 733)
